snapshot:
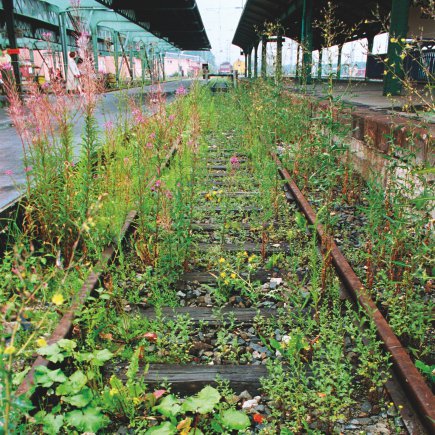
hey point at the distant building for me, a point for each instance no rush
(183, 65)
(225, 67)
(239, 66)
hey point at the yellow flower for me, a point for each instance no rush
(113, 391)
(57, 299)
(226, 282)
(252, 258)
(245, 254)
(221, 260)
(233, 275)
(41, 342)
(9, 350)
(223, 274)
(136, 400)
(393, 40)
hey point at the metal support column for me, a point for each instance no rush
(307, 40)
(278, 66)
(8, 6)
(116, 54)
(256, 60)
(298, 51)
(163, 67)
(94, 36)
(132, 64)
(398, 30)
(370, 43)
(249, 63)
(263, 56)
(340, 49)
(64, 42)
(246, 64)
(319, 68)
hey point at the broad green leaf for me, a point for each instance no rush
(52, 352)
(87, 420)
(204, 402)
(46, 377)
(66, 344)
(79, 400)
(73, 385)
(18, 377)
(52, 424)
(169, 406)
(233, 419)
(101, 356)
(165, 428)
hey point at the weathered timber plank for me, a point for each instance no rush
(248, 247)
(207, 277)
(188, 379)
(229, 210)
(208, 314)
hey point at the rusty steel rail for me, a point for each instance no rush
(411, 379)
(65, 325)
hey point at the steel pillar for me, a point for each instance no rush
(63, 42)
(297, 60)
(340, 49)
(278, 66)
(249, 63)
(256, 60)
(307, 40)
(370, 42)
(8, 6)
(398, 31)
(246, 64)
(94, 36)
(116, 54)
(263, 56)
(319, 68)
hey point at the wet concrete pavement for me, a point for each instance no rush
(12, 175)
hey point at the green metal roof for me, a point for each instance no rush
(177, 20)
(358, 13)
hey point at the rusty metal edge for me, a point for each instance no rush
(411, 379)
(65, 324)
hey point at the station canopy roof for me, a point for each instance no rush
(177, 21)
(362, 16)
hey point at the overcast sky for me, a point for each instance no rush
(220, 18)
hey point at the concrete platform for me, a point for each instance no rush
(359, 93)
(11, 149)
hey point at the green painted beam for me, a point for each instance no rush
(263, 57)
(340, 50)
(256, 60)
(307, 41)
(278, 66)
(394, 64)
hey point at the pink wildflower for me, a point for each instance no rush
(149, 145)
(234, 162)
(171, 117)
(156, 185)
(126, 160)
(152, 136)
(28, 169)
(168, 194)
(108, 125)
(181, 90)
(9, 172)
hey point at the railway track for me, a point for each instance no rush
(257, 310)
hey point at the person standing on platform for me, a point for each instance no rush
(73, 75)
